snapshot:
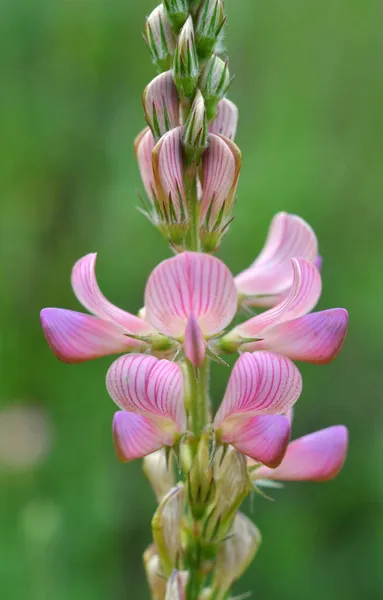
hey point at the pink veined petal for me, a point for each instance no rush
(318, 456)
(161, 103)
(226, 121)
(145, 385)
(190, 283)
(264, 438)
(194, 343)
(143, 147)
(315, 338)
(136, 436)
(303, 296)
(272, 273)
(85, 287)
(318, 262)
(220, 172)
(260, 383)
(168, 171)
(76, 337)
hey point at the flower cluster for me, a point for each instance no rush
(190, 167)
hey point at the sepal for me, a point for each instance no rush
(214, 83)
(201, 478)
(177, 11)
(195, 130)
(186, 65)
(209, 24)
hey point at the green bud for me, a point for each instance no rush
(201, 481)
(214, 83)
(186, 67)
(210, 21)
(196, 130)
(177, 11)
(166, 526)
(160, 38)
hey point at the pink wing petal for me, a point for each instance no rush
(303, 296)
(143, 147)
(194, 343)
(264, 438)
(161, 104)
(135, 436)
(316, 338)
(148, 386)
(85, 287)
(75, 337)
(272, 273)
(260, 383)
(318, 456)
(190, 283)
(226, 121)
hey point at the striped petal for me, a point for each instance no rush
(226, 121)
(136, 436)
(318, 456)
(151, 387)
(272, 273)
(194, 344)
(260, 383)
(143, 147)
(221, 164)
(85, 287)
(190, 283)
(264, 438)
(76, 337)
(316, 338)
(161, 104)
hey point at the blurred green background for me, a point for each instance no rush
(309, 86)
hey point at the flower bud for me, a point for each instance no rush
(156, 580)
(166, 526)
(210, 21)
(201, 481)
(176, 587)
(177, 11)
(161, 104)
(235, 553)
(195, 131)
(160, 38)
(158, 468)
(185, 66)
(226, 121)
(214, 84)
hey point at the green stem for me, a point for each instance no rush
(198, 398)
(190, 183)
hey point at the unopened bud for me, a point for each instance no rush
(214, 84)
(195, 130)
(226, 121)
(160, 38)
(186, 67)
(235, 553)
(210, 21)
(158, 468)
(201, 481)
(161, 104)
(177, 11)
(154, 575)
(166, 526)
(176, 587)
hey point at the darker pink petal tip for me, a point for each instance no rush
(194, 343)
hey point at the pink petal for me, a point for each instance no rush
(143, 146)
(135, 436)
(168, 171)
(85, 287)
(226, 121)
(148, 386)
(76, 337)
(221, 164)
(318, 456)
(271, 273)
(260, 383)
(318, 262)
(161, 104)
(303, 296)
(264, 438)
(190, 283)
(194, 343)
(316, 338)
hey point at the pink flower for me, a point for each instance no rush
(318, 456)
(262, 387)
(150, 393)
(189, 298)
(288, 329)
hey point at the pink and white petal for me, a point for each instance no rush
(76, 337)
(86, 289)
(143, 147)
(272, 273)
(190, 283)
(260, 383)
(194, 343)
(303, 296)
(226, 121)
(145, 385)
(315, 338)
(161, 104)
(135, 436)
(318, 456)
(318, 262)
(263, 438)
